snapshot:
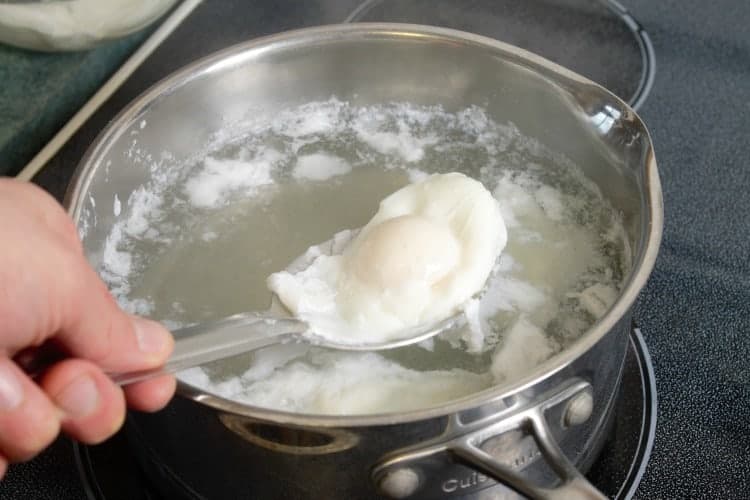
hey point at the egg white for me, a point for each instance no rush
(430, 247)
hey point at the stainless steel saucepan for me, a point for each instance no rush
(534, 435)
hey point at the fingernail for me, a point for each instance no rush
(151, 337)
(79, 398)
(11, 391)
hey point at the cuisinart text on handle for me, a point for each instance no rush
(455, 484)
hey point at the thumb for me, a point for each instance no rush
(98, 330)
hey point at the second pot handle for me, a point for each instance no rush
(404, 473)
(574, 485)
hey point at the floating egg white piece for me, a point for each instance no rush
(430, 247)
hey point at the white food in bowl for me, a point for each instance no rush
(430, 247)
(75, 24)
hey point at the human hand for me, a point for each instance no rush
(48, 292)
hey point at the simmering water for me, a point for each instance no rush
(198, 242)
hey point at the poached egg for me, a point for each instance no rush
(429, 248)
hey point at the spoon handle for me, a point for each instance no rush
(194, 345)
(205, 342)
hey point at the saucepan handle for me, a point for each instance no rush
(573, 486)
(408, 472)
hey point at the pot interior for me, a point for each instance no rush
(227, 171)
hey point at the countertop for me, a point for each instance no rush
(41, 91)
(694, 311)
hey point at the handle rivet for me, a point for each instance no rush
(579, 409)
(399, 483)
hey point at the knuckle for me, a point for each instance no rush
(102, 342)
(33, 433)
(69, 279)
(69, 233)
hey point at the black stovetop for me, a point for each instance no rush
(694, 310)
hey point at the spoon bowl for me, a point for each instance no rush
(244, 332)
